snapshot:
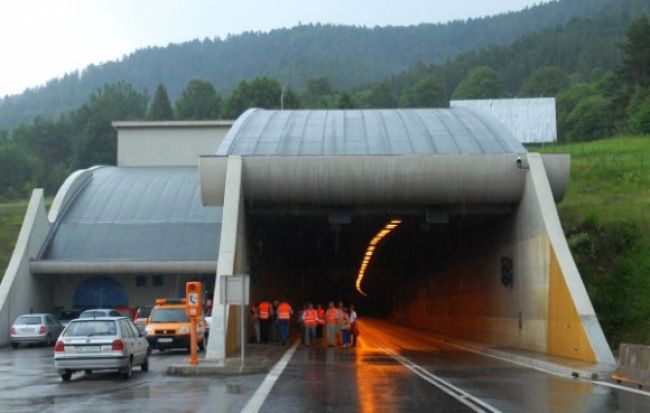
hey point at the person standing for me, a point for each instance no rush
(274, 333)
(265, 321)
(331, 323)
(320, 312)
(310, 320)
(354, 329)
(345, 328)
(339, 332)
(284, 315)
(255, 318)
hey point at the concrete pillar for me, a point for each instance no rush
(232, 260)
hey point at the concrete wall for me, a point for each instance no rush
(65, 286)
(20, 291)
(379, 180)
(167, 143)
(233, 259)
(546, 309)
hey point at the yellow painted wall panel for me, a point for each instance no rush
(566, 334)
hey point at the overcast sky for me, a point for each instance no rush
(42, 39)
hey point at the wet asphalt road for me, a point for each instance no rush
(29, 383)
(392, 369)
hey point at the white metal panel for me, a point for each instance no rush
(530, 120)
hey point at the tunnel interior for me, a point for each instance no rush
(307, 258)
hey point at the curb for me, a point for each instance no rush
(211, 369)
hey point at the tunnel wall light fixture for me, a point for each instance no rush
(370, 250)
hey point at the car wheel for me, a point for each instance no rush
(14, 345)
(128, 370)
(48, 340)
(66, 376)
(145, 365)
(88, 372)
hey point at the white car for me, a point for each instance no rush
(34, 329)
(100, 343)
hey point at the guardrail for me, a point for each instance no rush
(634, 365)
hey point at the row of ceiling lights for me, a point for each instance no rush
(372, 246)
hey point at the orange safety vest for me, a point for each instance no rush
(331, 316)
(284, 311)
(321, 316)
(309, 317)
(265, 310)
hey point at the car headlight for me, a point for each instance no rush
(149, 330)
(184, 330)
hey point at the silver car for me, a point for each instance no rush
(34, 329)
(101, 343)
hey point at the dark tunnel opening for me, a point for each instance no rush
(305, 258)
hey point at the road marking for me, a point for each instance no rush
(619, 387)
(538, 368)
(457, 393)
(262, 392)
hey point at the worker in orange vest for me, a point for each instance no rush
(284, 315)
(320, 312)
(310, 320)
(265, 314)
(331, 322)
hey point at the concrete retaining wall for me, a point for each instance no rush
(634, 364)
(20, 291)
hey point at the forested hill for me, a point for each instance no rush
(348, 56)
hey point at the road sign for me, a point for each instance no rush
(234, 289)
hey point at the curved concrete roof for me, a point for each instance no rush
(151, 214)
(367, 132)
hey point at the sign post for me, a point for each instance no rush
(235, 291)
(193, 309)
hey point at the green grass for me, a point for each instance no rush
(606, 216)
(610, 179)
(11, 218)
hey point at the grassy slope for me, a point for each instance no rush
(606, 215)
(11, 218)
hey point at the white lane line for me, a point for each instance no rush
(255, 402)
(540, 369)
(457, 393)
(619, 387)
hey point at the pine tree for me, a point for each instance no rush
(635, 68)
(199, 101)
(161, 107)
(481, 83)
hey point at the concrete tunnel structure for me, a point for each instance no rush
(294, 198)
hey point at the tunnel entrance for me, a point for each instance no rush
(308, 258)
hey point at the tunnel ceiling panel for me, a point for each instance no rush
(137, 214)
(261, 132)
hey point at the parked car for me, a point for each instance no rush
(142, 316)
(169, 326)
(100, 312)
(100, 343)
(126, 312)
(34, 328)
(65, 316)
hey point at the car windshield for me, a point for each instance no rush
(90, 328)
(92, 314)
(169, 315)
(28, 321)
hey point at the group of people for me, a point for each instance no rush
(334, 326)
